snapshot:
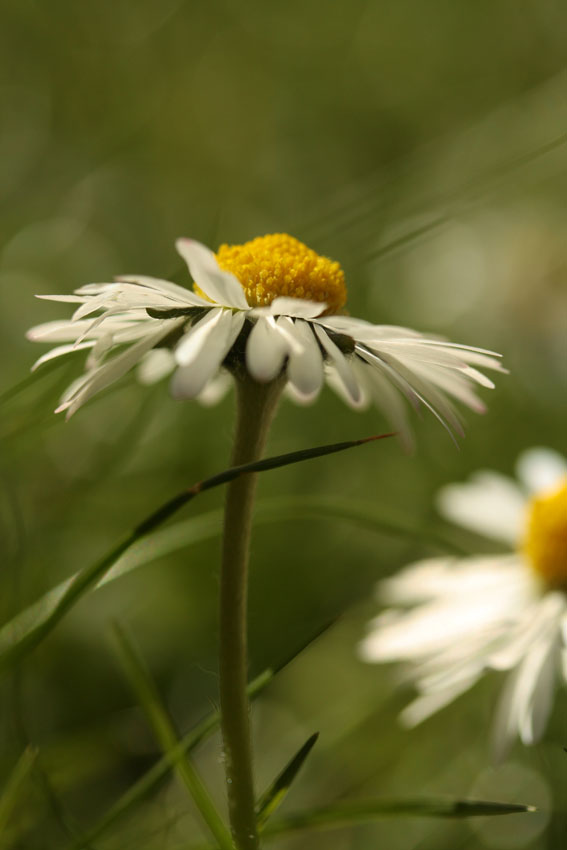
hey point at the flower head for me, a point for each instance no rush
(278, 265)
(451, 620)
(271, 306)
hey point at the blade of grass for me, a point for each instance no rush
(234, 472)
(13, 787)
(31, 379)
(58, 809)
(144, 687)
(357, 812)
(88, 578)
(456, 201)
(371, 191)
(344, 814)
(207, 526)
(276, 793)
(147, 783)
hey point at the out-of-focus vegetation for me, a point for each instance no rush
(420, 144)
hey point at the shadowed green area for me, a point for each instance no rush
(423, 146)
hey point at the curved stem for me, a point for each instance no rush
(256, 404)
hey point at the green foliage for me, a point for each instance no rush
(14, 788)
(42, 618)
(163, 727)
(277, 791)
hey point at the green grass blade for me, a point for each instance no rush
(13, 787)
(16, 644)
(275, 794)
(234, 472)
(208, 526)
(31, 379)
(144, 687)
(194, 530)
(357, 812)
(147, 783)
(348, 813)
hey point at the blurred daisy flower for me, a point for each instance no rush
(270, 306)
(453, 619)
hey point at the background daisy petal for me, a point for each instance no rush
(489, 504)
(541, 469)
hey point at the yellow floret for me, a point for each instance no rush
(279, 265)
(546, 540)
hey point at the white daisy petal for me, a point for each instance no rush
(413, 387)
(179, 293)
(284, 328)
(69, 299)
(215, 390)
(541, 469)
(527, 629)
(102, 345)
(538, 707)
(452, 577)
(91, 306)
(342, 368)
(220, 286)
(335, 381)
(58, 352)
(387, 398)
(214, 343)
(266, 350)
(155, 365)
(433, 625)
(522, 709)
(563, 664)
(66, 331)
(190, 345)
(489, 504)
(423, 382)
(101, 377)
(477, 376)
(305, 367)
(365, 331)
(297, 398)
(456, 385)
(564, 629)
(424, 706)
(380, 367)
(295, 307)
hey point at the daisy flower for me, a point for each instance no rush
(451, 620)
(272, 307)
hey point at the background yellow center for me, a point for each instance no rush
(279, 265)
(546, 540)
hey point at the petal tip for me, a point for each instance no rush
(183, 242)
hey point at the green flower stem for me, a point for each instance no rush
(256, 405)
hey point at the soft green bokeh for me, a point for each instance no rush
(394, 137)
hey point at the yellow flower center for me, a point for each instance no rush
(279, 265)
(546, 540)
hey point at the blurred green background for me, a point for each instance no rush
(420, 145)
